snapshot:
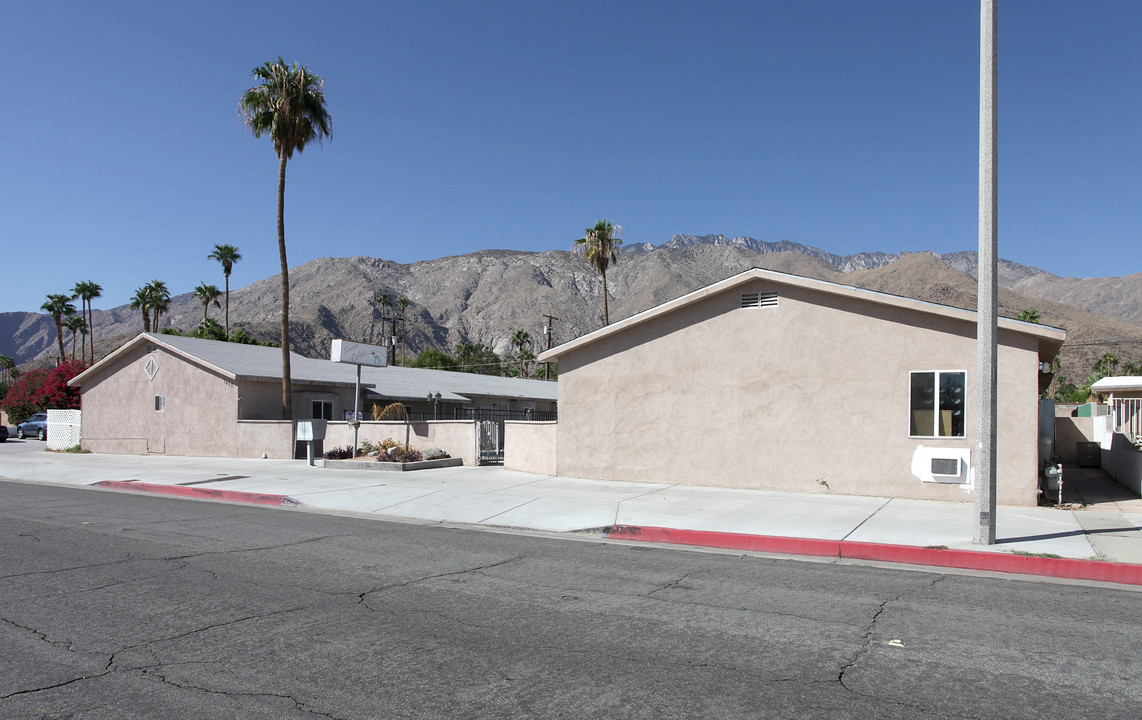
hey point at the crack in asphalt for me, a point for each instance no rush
(296, 543)
(361, 597)
(113, 667)
(213, 626)
(129, 558)
(668, 585)
(298, 704)
(40, 634)
(866, 649)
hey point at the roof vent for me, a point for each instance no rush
(757, 300)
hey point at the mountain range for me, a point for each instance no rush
(484, 297)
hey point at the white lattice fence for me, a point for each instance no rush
(63, 429)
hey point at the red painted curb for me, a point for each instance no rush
(732, 541)
(1124, 573)
(201, 493)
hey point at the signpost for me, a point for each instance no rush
(353, 353)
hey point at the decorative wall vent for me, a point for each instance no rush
(757, 300)
(151, 349)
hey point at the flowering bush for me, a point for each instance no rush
(40, 390)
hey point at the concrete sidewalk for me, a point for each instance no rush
(892, 529)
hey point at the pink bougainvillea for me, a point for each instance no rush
(40, 390)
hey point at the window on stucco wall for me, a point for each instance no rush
(936, 403)
(322, 410)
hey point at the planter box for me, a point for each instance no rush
(388, 466)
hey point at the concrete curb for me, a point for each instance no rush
(200, 493)
(1069, 568)
(375, 465)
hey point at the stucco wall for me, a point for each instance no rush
(1068, 432)
(1126, 464)
(455, 437)
(198, 415)
(808, 396)
(272, 438)
(530, 446)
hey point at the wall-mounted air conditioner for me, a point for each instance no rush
(945, 467)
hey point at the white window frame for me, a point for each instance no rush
(160, 403)
(323, 404)
(936, 409)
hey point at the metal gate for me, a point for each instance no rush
(490, 438)
(490, 430)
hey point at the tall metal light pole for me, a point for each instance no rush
(987, 319)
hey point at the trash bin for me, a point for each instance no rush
(1088, 454)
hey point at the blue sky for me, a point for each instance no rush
(461, 126)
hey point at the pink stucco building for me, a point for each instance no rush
(773, 381)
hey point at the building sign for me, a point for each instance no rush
(354, 353)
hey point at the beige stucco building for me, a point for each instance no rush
(187, 396)
(773, 381)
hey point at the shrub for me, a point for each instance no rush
(399, 453)
(339, 453)
(40, 390)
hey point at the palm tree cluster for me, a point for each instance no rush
(64, 314)
(288, 104)
(153, 300)
(86, 292)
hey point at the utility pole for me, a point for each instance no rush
(987, 321)
(548, 332)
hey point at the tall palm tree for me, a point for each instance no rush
(598, 245)
(141, 301)
(403, 304)
(76, 324)
(227, 255)
(160, 300)
(207, 294)
(88, 291)
(386, 302)
(288, 103)
(57, 306)
(521, 341)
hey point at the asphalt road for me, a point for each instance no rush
(121, 606)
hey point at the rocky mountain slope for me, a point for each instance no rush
(485, 296)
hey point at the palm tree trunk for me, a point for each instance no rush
(606, 313)
(90, 330)
(227, 305)
(287, 388)
(59, 337)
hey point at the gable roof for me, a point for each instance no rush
(1050, 338)
(264, 364)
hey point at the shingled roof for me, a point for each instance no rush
(264, 364)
